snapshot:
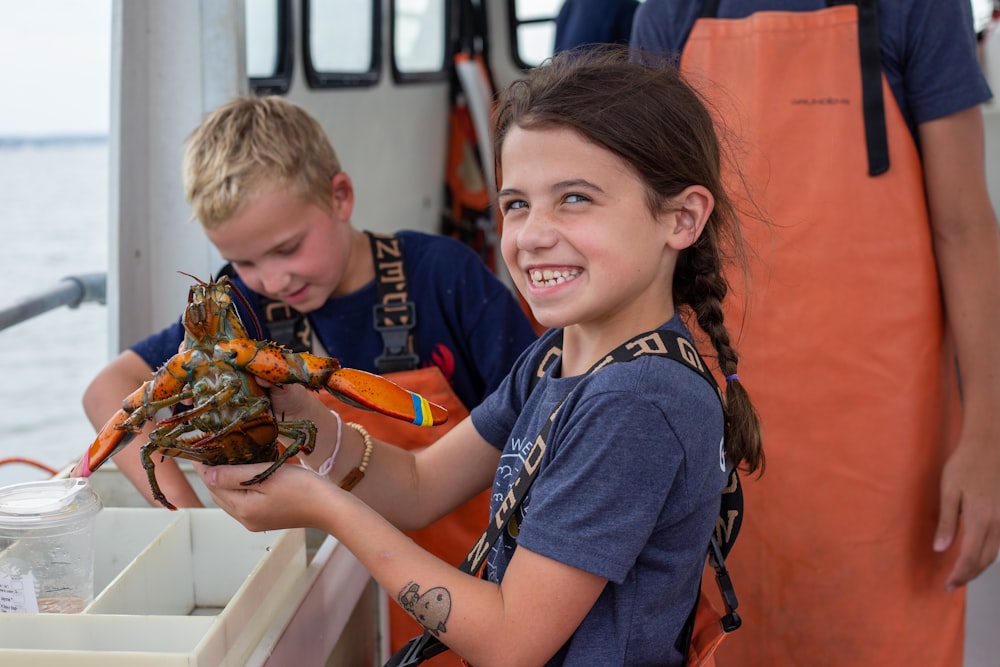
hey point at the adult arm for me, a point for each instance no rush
(967, 247)
(103, 398)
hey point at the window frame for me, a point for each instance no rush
(448, 38)
(280, 82)
(513, 23)
(320, 79)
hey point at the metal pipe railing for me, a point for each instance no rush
(70, 291)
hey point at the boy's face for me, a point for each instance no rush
(290, 249)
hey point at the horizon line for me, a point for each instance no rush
(69, 137)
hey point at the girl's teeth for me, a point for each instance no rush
(548, 277)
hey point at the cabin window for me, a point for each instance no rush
(341, 42)
(269, 45)
(533, 30)
(418, 40)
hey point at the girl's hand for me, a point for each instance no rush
(291, 497)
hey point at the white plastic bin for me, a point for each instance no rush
(190, 588)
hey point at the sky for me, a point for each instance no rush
(56, 57)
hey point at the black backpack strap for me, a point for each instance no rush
(662, 342)
(395, 313)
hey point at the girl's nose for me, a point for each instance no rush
(536, 232)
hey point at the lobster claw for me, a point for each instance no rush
(112, 438)
(271, 362)
(374, 392)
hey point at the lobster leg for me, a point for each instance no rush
(271, 362)
(174, 443)
(219, 398)
(164, 390)
(146, 456)
(304, 433)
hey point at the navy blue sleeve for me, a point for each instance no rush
(495, 417)
(156, 349)
(934, 63)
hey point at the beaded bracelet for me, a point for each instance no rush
(358, 474)
(327, 465)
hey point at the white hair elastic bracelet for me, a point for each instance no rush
(328, 464)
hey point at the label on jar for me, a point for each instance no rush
(17, 595)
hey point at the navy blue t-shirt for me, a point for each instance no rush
(928, 48)
(468, 323)
(629, 490)
(582, 22)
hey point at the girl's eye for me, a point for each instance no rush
(576, 198)
(514, 204)
(287, 250)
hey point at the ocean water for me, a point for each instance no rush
(53, 223)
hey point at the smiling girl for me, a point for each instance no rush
(615, 225)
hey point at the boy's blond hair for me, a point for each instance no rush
(251, 143)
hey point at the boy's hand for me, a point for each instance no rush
(293, 401)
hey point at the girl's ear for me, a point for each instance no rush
(696, 204)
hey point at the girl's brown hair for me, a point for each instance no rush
(647, 114)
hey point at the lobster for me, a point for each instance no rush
(230, 420)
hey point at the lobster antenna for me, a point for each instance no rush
(258, 330)
(194, 278)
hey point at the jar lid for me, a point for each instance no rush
(48, 502)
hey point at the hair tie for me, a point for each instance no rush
(732, 378)
(327, 465)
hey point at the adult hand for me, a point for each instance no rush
(970, 500)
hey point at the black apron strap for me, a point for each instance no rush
(395, 314)
(872, 101)
(871, 88)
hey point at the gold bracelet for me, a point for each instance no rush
(358, 474)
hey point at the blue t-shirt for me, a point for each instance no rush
(468, 323)
(582, 22)
(928, 48)
(629, 490)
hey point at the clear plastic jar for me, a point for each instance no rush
(47, 546)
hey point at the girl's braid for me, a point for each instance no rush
(702, 287)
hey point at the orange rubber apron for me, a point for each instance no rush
(449, 538)
(845, 355)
